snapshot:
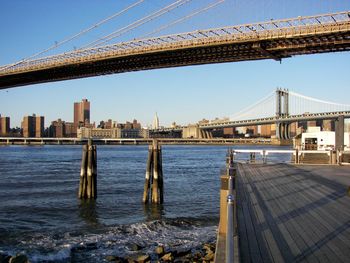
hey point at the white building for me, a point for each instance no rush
(155, 122)
(321, 140)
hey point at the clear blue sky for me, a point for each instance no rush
(183, 95)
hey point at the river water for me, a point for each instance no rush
(41, 216)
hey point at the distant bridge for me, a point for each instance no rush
(135, 141)
(275, 39)
(282, 108)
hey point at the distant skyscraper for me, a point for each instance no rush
(155, 122)
(33, 126)
(39, 126)
(81, 113)
(4, 125)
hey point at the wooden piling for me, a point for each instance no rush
(160, 178)
(153, 188)
(83, 173)
(147, 176)
(94, 172)
(88, 172)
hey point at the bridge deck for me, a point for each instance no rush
(292, 214)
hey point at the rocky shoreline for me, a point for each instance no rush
(204, 253)
(20, 258)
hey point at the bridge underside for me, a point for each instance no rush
(215, 53)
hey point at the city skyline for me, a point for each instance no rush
(184, 95)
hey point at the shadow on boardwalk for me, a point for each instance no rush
(290, 214)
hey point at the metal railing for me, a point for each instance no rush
(261, 155)
(274, 29)
(231, 222)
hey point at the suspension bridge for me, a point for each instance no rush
(273, 39)
(281, 107)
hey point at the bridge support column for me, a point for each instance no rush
(339, 136)
(286, 131)
(201, 134)
(153, 188)
(278, 135)
(88, 172)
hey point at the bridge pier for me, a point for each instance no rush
(88, 172)
(153, 188)
(283, 131)
(339, 137)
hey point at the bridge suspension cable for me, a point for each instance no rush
(197, 12)
(94, 26)
(300, 104)
(265, 107)
(135, 24)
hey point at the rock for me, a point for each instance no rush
(208, 247)
(209, 256)
(4, 258)
(168, 257)
(197, 256)
(116, 259)
(159, 250)
(182, 260)
(111, 258)
(19, 259)
(183, 253)
(143, 259)
(134, 247)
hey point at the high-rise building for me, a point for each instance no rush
(39, 126)
(33, 126)
(57, 129)
(70, 130)
(82, 113)
(155, 122)
(28, 126)
(4, 126)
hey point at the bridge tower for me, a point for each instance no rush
(282, 110)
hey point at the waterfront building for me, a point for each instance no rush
(57, 129)
(229, 132)
(39, 126)
(4, 126)
(328, 125)
(33, 126)
(70, 130)
(191, 131)
(112, 133)
(107, 124)
(265, 130)
(82, 113)
(131, 133)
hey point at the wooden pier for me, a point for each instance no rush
(290, 213)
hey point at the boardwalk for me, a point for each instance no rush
(293, 214)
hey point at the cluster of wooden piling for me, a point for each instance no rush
(88, 172)
(153, 189)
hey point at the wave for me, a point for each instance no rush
(120, 240)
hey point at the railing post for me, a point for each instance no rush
(264, 156)
(296, 158)
(230, 229)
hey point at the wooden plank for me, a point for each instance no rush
(294, 215)
(310, 225)
(289, 227)
(287, 245)
(254, 251)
